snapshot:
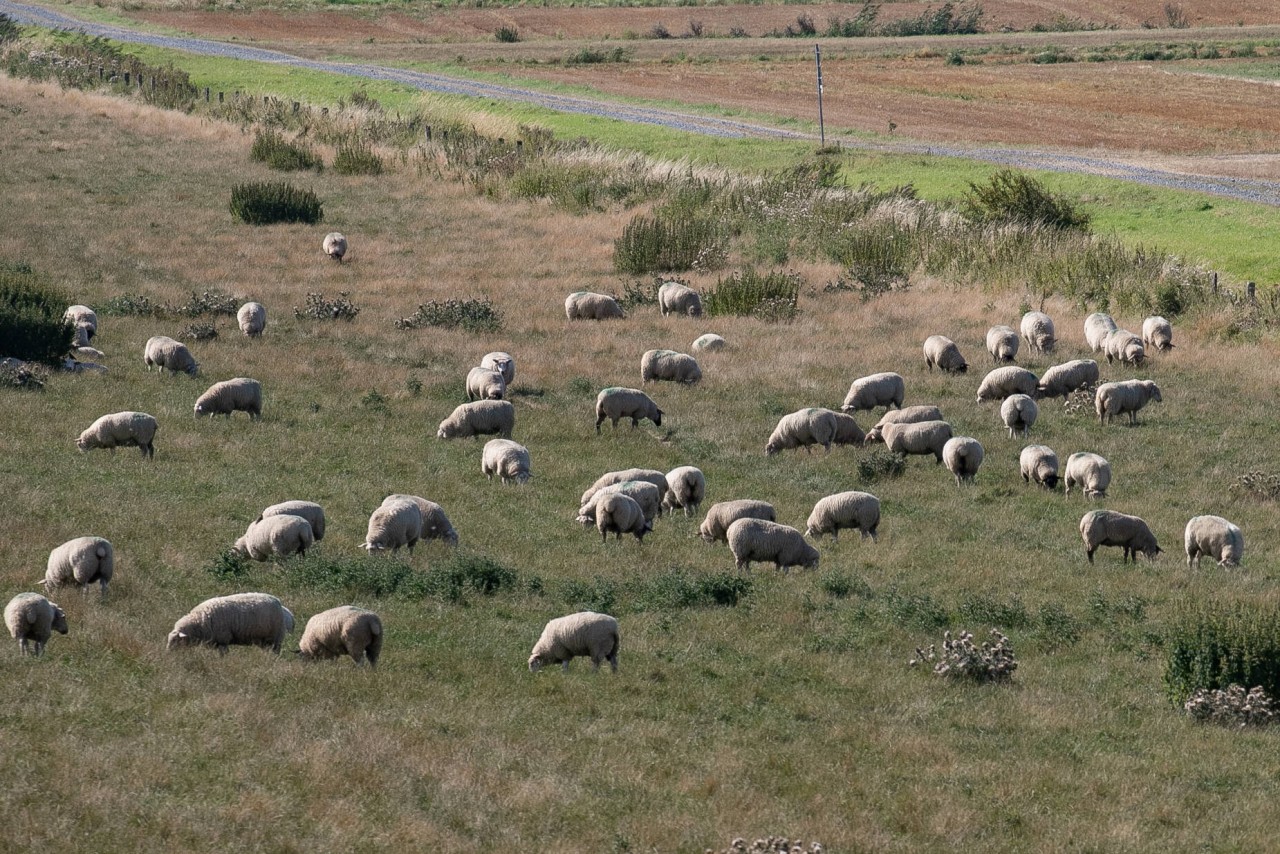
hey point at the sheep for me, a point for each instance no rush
(89, 353)
(584, 305)
(309, 510)
(1112, 399)
(1039, 463)
(85, 321)
(657, 478)
(1002, 344)
(1090, 472)
(32, 620)
(121, 429)
(614, 403)
(670, 366)
(858, 510)
(507, 459)
(1157, 333)
(1123, 346)
(1096, 328)
(847, 430)
(801, 429)
(1215, 537)
(686, 487)
(1019, 412)
(1061, 380)
(760, 540)
(81, 562)
(252, 319)
(708, 343)
(884, 389)
(501, 362)
(435, 524)
(906, 415)
(485, 384)
(241, 394)
(923, 437)
(643, 493)
(619, 513)
(724, 513)
(963, 457)
(393, 524)
(584, 633)
(344, 630)
(942, 352)
(1002, 382)
(481, 417)
(1037, 331)
(276, 536)
(678, 298)
(1109, 528)
(164, 353)
(335, 245)
(241, 619)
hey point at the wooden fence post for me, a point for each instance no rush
(1250, 289)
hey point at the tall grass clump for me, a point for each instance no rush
(507, 34)
(265, 203)
(357, 157)
(472, 315)
(946, 20)
(749, 292)
(1213, 646)
(31, 324)
(9, 29)
(270, 147)
(320, 307)
(669, 242)
(1011, 196)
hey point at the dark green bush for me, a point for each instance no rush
(747, 292)
(507, 33)
(9, 29)
(357, 157)
(264, 203)
(881, 464)
(841, 585)
(677, 588)
(473, 315)
(270, 147)
(591, 56)
(130, 305)
(229, 565)
(1213, 646)
(946, 20)
(213, 302)
(320, 308)
(31, 324)
(669, 242)
(1016, 197)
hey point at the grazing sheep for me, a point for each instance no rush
(32, 620)
(1061, 380)
(724, 513)
(335, 245)
(1097, 327)
(1123, 346)
(1157, 333)
(1090, 472)
(252, 318)
(963, 457)
(906, 415)
(1039, 464)
(759, 540)
(1215, 537)
(942, 352)
(680, 299)
(619, 513)
(164, 353)
(483, 417)
(1019, 412)
(241, 619)
(668, 365)
(435, 524)
(501, 362)
(585, 305)
(922, 437)
(1109, 528)
(847, 430)
(1002, 343)
(708, 343)
(686, 487)
(275, 537)
(507, 459)
(614, 403)
(81, 562)
(85, 320)
(309, 510)
(884, 389)
(657, 478)
(241, 394)
(485, 384)
(805, 427)
(344, 630)
(1112, 399)
(859, 510)
(584, 633)
(121, 429)
(1005, 381)
(393, 524)
(1037, 331)
(643, 493)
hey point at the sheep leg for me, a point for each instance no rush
(564, 666)
(1089, 554)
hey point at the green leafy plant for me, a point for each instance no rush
(318, 307)
(669, 241)
(271, 147)
(357, 157)
(881, 464)
(272, 202)
(507, 33)
(1214, 646)
(1011, 196)
(745, 292)
(130, 305)
(473, 315)
(213, 302)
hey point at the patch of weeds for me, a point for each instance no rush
(413, 385)
(130, 305)
(841, 585)
(915, 610)
(318, 307)
(213, 302)
(1011, 196)
(372, 575)
(472, 315)
(1056, 627)
(507, 34)
(1232, 706)
(199, 332)
(636, 293)
(375, 401)
(986, 611)
(1214, 646)
(272, 202)
(776, 293)
(881, 464)
(591, 56)
(961, 658)
(582, 386)
(24, 375)
(677, 588)
(1258, 484)
(669, 241)
(229, 564)
(464, 572)
(270, 147)
(357, 157)
(599, 595)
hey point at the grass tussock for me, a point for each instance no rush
(267, 203)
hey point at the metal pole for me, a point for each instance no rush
(822, 130)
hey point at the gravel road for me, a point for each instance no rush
(1264, 192)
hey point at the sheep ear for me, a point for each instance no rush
(182, 634)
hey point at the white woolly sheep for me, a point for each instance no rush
(669, 366)
(1090, 472)
(648, 496)
(1112, 399)
(501, 362)
(89, 353)
(801, 429)
(507, 459)
(435, 524)
(759, 540)
(1157, 333)
(584, 305)
(485, 384)
(1002, 343)
(1019, 412)
(686, 487)
(963, 457)
(483, 417)
(121, 429)
(1109, 528)
(942, 352)
(84, 319)
(1039, 464)
(1002, 382)
(858, 510)
(393, 524)
(708, 343)
(919, 438)
(1037, 331)
(1097, 327)
(344, 630)
(847, 430)
(335, 245)
(1215, 537)
(81, 562)
(614, 403)
(657, 478)
(252, 319)
(724, 513)
(584, 633)
(1123, 346)
(275, 537)
(309, 510)
(32, 619)
(906, 415)
(619, 513)
(241, 394)
(885, 389)
(680, 299)
(241, 619)
(166, 354)
(1061, 380)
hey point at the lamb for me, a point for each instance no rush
(1061, 380)
(614, 403)
(1215, 537)
(164, 353)
(121, 429)
(485, 384)
(275, 537)
(1019, 412)
(344, 630)
(1090, 472)
(657, 478)
(1037, 331)
(1002, 343)
(1005, 381)
(481, 417)
(32, 620)
(906, 415)
(501, 362)
(757, 539)
(858, 510)
(668, 365)
(241, 619)
(1096, 328)
(81, 562)
(1112, 399)
(924, 437)
(507, 459)
(252, 319)
(309, 510)
(942, 352)
(963, 456)
(619, 513)
(686, 487)
(241, 394)
(678, 298)
(435, 524)
(1109, 528)
(645, 494)
(847, 430)
(584, 633)
(884, 389)
(335, 245)
(803, 428)
(1039, 464)
(1123, 346)
(724, 513)
(1157, 333)
(393, 524)
(708, 343)
(584, 305)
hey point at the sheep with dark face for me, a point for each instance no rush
(344, 630)
(1037, 331)
(32, 620)
(1002, 344)
(334, 245)
(942, 352)
(1157, 334)
(1215, 537)
(1109, 528)
(1039, 464)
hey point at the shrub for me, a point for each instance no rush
(678, 588)
(946, 20)
(25, 375)
(9, 29)
(356, 157)
(267, 203)
(464, 572)
(213, 302)
(31, 324)
(199, 332)
(961, 658)
(1231, 706)
(130, 305)
(669, 242)
(320, 308)
(270, 147)
(637, 293)
(590, 56)
(881, 464)
(1017, 197)
(1258, 484)
(841, 585)
(507, 34)
(915, 609)
(229, 564)
(1213, 646)
(746, 292)
(473, 315)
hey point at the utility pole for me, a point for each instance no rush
(822, 131)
